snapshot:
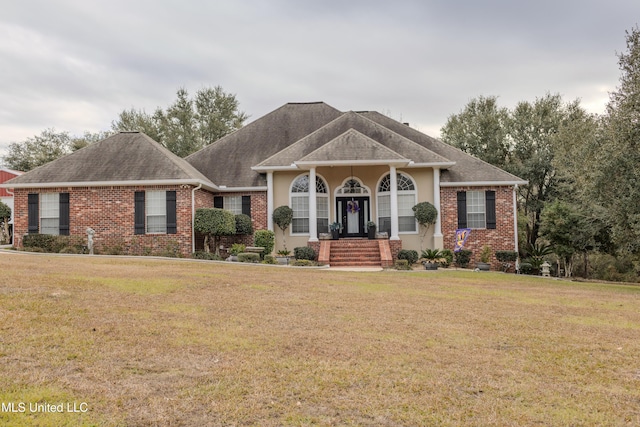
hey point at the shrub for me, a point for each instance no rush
(402, 264)
(237, 248)
(506, 256)
(213, 222)
(171, 250)
(264, 239)
(205, 255)
(248, 257)
(69, 250)
(304, 252)
(485, 254)
(304, 263)
(270, 259)
(463, 257)
(46, 242)
(446, 258)
(408, 254)
(243, 224)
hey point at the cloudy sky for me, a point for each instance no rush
(73, 65)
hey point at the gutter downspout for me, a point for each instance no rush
(193, 217)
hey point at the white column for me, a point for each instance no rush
(313, 209)
(270, 201)
(437, 232)
(394, 204)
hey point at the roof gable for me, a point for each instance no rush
(375, 132)
(352, 146)
(123, 157)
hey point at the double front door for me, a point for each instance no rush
(354, 214)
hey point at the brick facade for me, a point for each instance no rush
(109, 211)
(501, 238)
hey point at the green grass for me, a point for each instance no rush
(167, 342)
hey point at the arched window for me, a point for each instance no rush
(406, 201)
(299, 196)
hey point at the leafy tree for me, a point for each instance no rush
(188, 124)
(214, 223)
(5, 216)
(282, 216)
(426, 215)
(618, 179)
(480, 129)
(571, 230)
(49, 145)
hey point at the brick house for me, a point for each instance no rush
(365, 166)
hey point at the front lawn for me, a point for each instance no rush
(169, 342)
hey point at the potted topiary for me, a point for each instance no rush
(335, 230)
(236, 248)
(432, 257)
(426, 214)
(283, 256)
(485, 258)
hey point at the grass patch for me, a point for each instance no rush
(166, 342)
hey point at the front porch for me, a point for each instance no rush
(356, 253)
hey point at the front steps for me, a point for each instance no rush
(355, 253)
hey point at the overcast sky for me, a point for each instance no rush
(73, 65)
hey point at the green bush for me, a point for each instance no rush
(69, 250)
(270, 259)
(282, 216)
(408, 254)
(213, 222)
(304, 252)
(265, 239)
(243, 224)
(49, 242)
(446, 258)
(248, 257)
(205, 255)
(237, 248)
(304, 263)
(506, 256)
(463, 258)
(402, 264)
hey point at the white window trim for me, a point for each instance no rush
(400, 192)
(41, 210)
(483, 197)
(147, 215)
(291, 196)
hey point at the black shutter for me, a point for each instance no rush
(34, 217)
(246, 205)
(218, 202)
(64, 214)
(462, 209)
(490, 205)
(139, 215)
(172, 226)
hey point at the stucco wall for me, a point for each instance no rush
(370, 176)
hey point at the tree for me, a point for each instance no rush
(188, 124)
(282, 216)
(618, 178)
(569, 230)
(5, 216)
(426, 215)
(480, 129)
(49, 145)
(214, 223)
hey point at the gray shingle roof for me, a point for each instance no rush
(467, 169)
(228, 161)
(353, 121)
(124, 157)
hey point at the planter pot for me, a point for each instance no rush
(282, 260)
(483, 266)
(371, 233)
(430, 265)
(335, 234)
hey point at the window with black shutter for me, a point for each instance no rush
(462, 209)
(246, 205)
(218, 202)
(139, 214)
(490, 204)
(64, 214)
(33, 213)
(172, 226)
